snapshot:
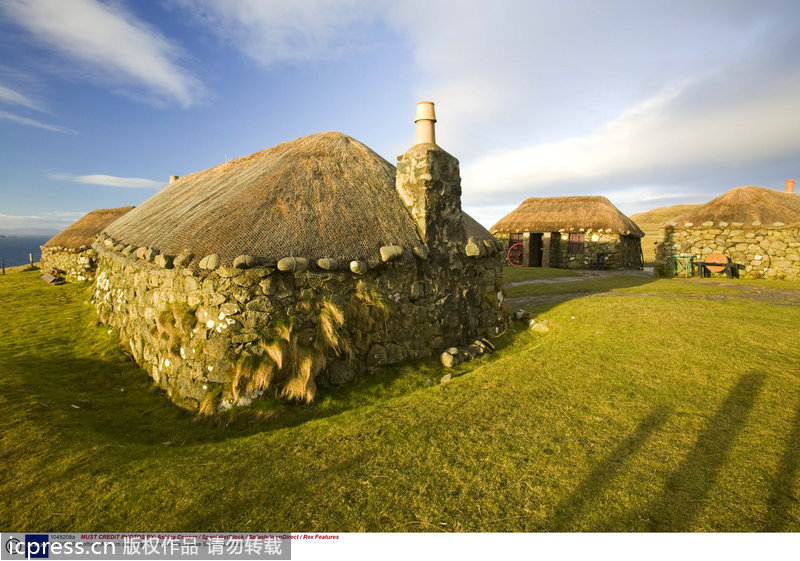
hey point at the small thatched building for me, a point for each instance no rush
(311, 261)
(754, 227)
(571, 232)
(70, 251)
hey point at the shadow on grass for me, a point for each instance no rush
(782, 495)
(686, 489)
(570, 509)
(80, 396)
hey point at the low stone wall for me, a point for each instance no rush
(765, 252)
(215, 338)
(621, 252)
(78, 265)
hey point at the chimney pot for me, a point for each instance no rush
(173, 178)
(425, 118)
(790, 185)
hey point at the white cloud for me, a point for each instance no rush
(38, 223)
(287, 30)
(108, 38)
(671, 131)
(6, 116)
(9, 96)
(109, 180)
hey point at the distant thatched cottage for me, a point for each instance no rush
(70, 251)
(571, 232)
(754, 227)
(311, 261)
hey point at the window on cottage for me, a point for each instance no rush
(576, 243)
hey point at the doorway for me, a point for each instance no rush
(536, 249)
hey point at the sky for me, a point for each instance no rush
(649, 103)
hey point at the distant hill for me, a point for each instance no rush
(651, 221)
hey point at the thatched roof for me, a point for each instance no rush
(746, 204)
(323, 195)
(82, 233)
(568, 214)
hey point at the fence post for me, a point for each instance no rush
(4, 265)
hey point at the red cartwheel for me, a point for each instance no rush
(514, 256)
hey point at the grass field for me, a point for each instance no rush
(651, 405)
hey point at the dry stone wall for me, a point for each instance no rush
(78, 265)
(620, 252)
(765, 252)
(224, 335)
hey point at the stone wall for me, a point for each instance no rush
(214, 338)
(77, 265)
(621, 252)
(770, 252)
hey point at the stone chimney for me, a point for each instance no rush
(173, 178)
(790, 185)
(429, 183)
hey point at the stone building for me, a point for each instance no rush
(310, 262)
(754, 227)
(570, 232)
(70, 251)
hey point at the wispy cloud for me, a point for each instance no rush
(38, 223)
(677, 130)
(108, 38)
(109, 180)
(9, 96)
(6, 116)
(287, 30)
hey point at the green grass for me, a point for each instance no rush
(517, 274)
(645, 409)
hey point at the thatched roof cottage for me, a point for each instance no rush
(309, 262)
(70, 251)
(571, 232)
(754, 227)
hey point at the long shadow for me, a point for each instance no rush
(684, 494)
(782, 496)
(570, 509)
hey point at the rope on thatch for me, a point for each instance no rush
(82, 232)
(566, 214)
(320, 196)
(746, 205)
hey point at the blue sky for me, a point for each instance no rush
(649, 103)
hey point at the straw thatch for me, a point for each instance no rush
(323, 195)
(746, 204)
(567, 214)
(82, 233)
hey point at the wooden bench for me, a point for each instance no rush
(717, 263)
(53, 277)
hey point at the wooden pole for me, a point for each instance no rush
(4, 265)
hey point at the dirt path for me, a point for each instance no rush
(588, 275)
(776, 296)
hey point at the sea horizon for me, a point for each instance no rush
(14, 249)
